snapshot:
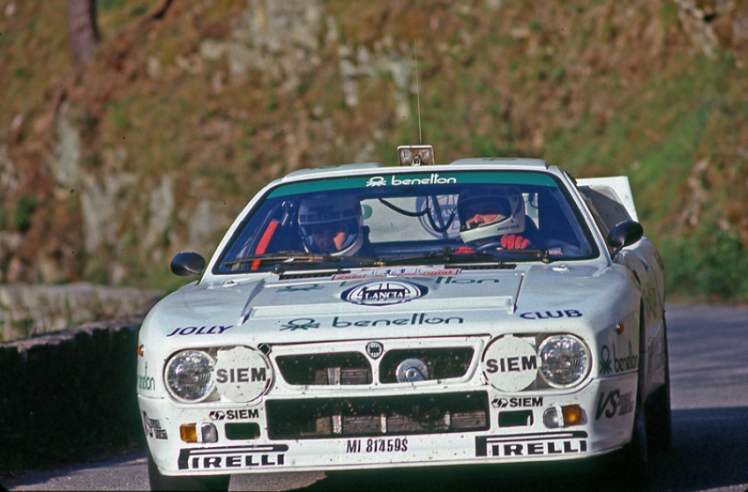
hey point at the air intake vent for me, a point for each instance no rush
(325, 369)
(358, 417)
(437, 363)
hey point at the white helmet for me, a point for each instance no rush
(505, 202)
(327, 213)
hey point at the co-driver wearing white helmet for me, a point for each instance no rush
(492, 217)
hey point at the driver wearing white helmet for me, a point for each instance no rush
(492, 217)
(333, 227)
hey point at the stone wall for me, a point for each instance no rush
(68, 395)
(34, 309)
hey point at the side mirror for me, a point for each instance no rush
(185, 264)
(624, 234)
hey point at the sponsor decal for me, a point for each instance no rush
(524, 445)
(377, 445)
(650, 300)
(510, 363)
(244, 414)
(300, 324)
(657, 353)
(434, 178)
(376, 181)
(617, 364)
(384, 293)
(374, 349)
(567, 313)
(397, 272)
(441, 279)
(146, 382)
(232, 457)
(301, 288)
(341, 322)
(614, 402)
(416, 319)
(199, 330)
(242, 374)
(464, 281)
(516, 402)
(153, 428)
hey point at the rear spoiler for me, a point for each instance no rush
(616, 188)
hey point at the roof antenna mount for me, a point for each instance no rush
(415, 155)
(418, 93)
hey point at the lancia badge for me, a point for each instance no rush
(374, 349)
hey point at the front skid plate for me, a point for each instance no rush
(607, 425)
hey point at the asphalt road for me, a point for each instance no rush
(709, 384)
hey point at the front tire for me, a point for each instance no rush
(163, 482)
(659, 417)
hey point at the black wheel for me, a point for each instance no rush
(659, 419)
(163, 482)
(636, 452)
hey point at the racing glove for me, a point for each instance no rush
(510, 241)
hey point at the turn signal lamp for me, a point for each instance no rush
(188, 432)
(203, 432)
(567, 416)
(572, 415)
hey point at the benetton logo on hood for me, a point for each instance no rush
(383, 293)
(434, 178)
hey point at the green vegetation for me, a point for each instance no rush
(221, 99)
(710, 263)
(22, 215)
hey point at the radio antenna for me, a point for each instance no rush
(418, 93)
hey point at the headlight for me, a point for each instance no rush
(189, 376)
(564, 361)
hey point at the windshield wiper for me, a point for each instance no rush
(446, 254)
(457, 255)
(298, 257)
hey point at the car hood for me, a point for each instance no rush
(370, 304)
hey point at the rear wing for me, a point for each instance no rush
(611, 197)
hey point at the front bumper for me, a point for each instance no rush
(512, 431)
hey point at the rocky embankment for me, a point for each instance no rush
(68, 393)
(27, 310)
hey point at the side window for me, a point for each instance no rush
(605, 207)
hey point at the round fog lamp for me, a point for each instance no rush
(411, 370)
(189, 376)
(564, 361)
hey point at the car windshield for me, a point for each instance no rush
(409, 219)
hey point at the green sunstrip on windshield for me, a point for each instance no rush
(394, 180)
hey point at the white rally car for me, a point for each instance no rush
(361, 317)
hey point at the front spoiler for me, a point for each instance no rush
(606, 427)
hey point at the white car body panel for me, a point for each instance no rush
(600, 300)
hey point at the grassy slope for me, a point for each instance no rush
(596, 87)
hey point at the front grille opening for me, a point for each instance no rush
(347, 368)
(440, 363)
(241, 431)
(358, 417)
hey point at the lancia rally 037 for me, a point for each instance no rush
(356, 317)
